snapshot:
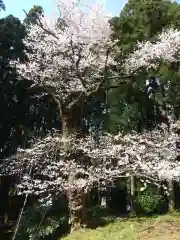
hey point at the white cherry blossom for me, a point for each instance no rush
(148, 55)
(58, 165)
(68, 52)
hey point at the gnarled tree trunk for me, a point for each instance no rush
(70, 119)
(67, 125)
(77, 208)
(76, 194)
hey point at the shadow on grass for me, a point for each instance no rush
(101, 216)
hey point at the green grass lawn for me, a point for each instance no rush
(166, 227)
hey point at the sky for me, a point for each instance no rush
(15, 7)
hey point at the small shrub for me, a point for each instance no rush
(150, 201)
(97, 216)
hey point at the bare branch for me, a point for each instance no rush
(105, 75)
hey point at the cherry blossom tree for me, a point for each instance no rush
(148, 55)
(150, 154)
(68, 56)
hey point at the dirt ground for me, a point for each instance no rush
(161, 231)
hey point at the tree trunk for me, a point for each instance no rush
(70, 119)
(66, 124)
(77, 208)
(76, 194)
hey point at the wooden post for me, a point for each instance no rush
(171, 196)
(132, 193)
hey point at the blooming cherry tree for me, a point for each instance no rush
(67, 55)
(149, 55)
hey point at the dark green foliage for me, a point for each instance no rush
(43, 222)
(97, 216)
(170, 81)
(12, 33)
(96, 211)
(150, 201)
(132, 107)
(117, 197)
(32, 15)
(2, 5)
(93, 116)
(143, 20)
(23, 115)
(11, 48)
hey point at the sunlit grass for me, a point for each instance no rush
(126, 229)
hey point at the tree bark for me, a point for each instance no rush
(70, 118)
(76, 194)
(66, 124)
(77, 208)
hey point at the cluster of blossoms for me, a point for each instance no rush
(149, 55)
(56, 164)
(68, 53)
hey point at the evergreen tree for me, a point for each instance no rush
(2, 5)
(133, 107)
(32, 15)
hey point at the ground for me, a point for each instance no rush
(166, 227)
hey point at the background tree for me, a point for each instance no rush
(23, 116)
(2, 5)
(141, 20)
(33, 15)
(11, 48)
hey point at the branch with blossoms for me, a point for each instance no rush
(148, 55)
(70, 60)
(58, 165)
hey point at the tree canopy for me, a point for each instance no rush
(2, 5)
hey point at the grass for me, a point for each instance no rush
(166, 227)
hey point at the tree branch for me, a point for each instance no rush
(96, 89)
(78, 73)
(43, 28)
(75, 101)
(49, 90)
(104, 77)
